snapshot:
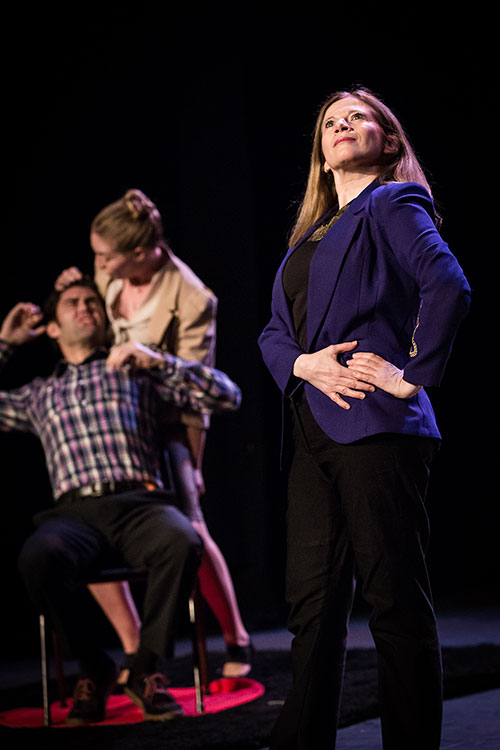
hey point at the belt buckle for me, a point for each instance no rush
(97, 489)
(87, 491)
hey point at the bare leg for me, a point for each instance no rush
(117, 603)
(215, 579)
(217, 588)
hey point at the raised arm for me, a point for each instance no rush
(20, 325)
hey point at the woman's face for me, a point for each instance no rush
(115, 264)
(351, 138)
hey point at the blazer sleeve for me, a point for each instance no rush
(195, 338)
(278, 345)
(404, 215)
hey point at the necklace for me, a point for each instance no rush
(320, 232)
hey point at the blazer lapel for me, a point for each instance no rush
(326, 266)
(164, 312)
(279, 291)
(328, 261)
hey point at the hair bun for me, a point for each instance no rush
(138, 204)
(129, 222)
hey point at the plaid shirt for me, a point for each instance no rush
(104, 425)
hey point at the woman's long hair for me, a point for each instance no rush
(320, 195)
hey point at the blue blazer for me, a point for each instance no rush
(383, 276)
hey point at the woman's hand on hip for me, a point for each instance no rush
(382, 374)
(323, 370)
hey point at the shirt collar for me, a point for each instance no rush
(62, 365)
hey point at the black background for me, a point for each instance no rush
(210, 113)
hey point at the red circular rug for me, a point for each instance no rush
(223, 694)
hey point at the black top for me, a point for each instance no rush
(296, 278)
(295, 283)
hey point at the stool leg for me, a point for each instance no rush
(45, 678)
(200, 670)
(196, 660)
(201, 640)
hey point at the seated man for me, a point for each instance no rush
(98, 417)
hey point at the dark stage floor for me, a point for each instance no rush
(470, 723)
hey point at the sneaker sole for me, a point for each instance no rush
(167, 716)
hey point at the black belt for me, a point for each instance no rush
(98, 489)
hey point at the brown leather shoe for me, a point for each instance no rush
(150, 693)
(89, 699)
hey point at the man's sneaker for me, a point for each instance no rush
(150, 693)
(89, 699)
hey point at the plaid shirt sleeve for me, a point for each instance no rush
(195, 386)
(14, 405)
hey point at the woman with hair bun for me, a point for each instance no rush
(154, 298)
(365, 308)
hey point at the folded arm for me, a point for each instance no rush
(290, 365)
(187, 384)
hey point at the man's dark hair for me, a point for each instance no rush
(50, 305)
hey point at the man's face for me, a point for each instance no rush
(80, 318)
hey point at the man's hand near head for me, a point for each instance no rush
(21, 324)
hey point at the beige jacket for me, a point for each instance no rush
(184, 321)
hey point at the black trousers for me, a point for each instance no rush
(357, 511)
(73, 539)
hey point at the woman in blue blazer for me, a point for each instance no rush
(365, 307)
